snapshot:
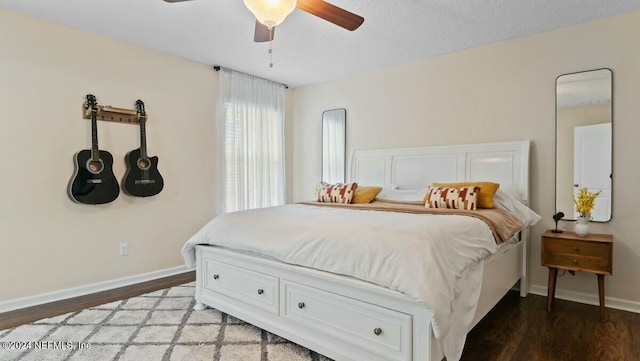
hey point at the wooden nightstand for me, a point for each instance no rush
(592, 253)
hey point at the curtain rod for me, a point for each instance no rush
(218, 67)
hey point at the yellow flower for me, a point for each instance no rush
(585, 202)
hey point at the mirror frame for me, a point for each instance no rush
(569, 217)
(341, 115)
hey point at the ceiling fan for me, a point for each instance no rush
(270, 13)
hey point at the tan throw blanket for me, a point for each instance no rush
(503, 224)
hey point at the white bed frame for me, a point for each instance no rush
(348, 319)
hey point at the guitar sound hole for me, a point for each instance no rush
(95, 166)
(144, 164)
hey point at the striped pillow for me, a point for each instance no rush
(455, 198)
(487, 191)
(337, 193)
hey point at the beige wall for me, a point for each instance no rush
(50, 243)
(496, 92)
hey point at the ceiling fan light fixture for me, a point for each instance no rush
(270, 12)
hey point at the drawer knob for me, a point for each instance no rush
(215, 277)
(377, 331)
(260, 291)
(575, 261)
(300, 305)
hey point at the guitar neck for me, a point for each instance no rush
(142, 117)
(143, 137)
(95, 153)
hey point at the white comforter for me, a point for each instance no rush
(433, 258)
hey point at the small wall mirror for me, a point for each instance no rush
(584, 118)
(334, 145)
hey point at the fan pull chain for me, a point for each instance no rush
(270, 53)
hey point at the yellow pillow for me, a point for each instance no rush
(365, 194)
(485, 197)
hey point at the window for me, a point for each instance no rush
(252, 119)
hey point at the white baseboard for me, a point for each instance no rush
(29, 301)
(589, 298)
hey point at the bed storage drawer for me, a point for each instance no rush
(378, 329)
(257, 289)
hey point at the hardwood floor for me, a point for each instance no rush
(521, 329)
(517, 329)
(30, 314)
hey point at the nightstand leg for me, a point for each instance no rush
(601, 294)
(551, 287)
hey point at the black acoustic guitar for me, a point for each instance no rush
(93, 181)
(142, 178)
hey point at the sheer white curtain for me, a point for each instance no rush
(251, 119)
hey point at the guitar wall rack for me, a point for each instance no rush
(112, 114)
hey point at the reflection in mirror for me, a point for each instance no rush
(584, 141)
(333, 145)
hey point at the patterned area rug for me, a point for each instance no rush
(157, 326)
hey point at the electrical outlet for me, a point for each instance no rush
(124, 249)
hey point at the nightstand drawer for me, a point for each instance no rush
(566, 250)
(578, 262)
(578, 248)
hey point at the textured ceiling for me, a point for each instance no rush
(308, 50)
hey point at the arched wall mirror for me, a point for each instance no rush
(584, 118)
(334, 136)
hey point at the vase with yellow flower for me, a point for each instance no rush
(584, 205)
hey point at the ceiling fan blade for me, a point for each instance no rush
(175, 1)
(331, 13)
(263, 33)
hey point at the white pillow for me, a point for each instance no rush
(402, 195)
(503, 199)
